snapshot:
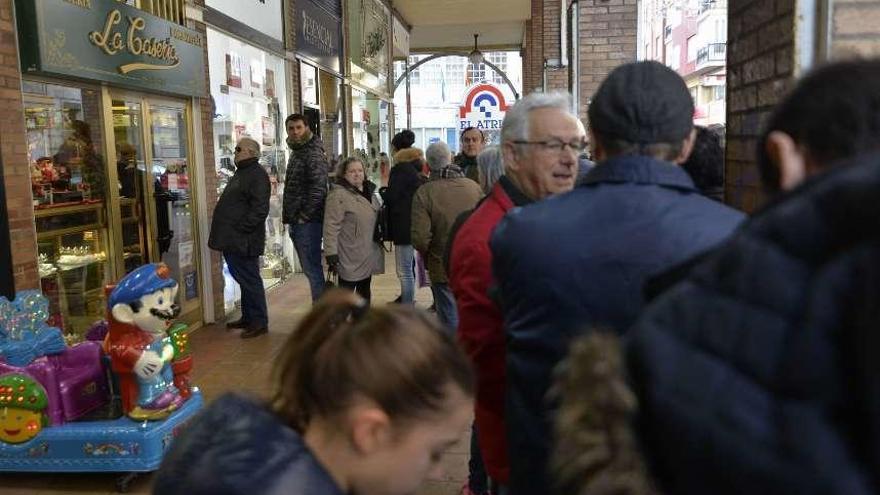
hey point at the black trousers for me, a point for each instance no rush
(246, 271)
(359, 287)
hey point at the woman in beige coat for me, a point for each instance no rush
(349, 226)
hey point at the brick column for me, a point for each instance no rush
(607, 38)
(13, 149)
(556, 76)
(210, 173)
(294, 103)
(760, 68)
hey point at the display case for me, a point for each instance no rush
(72, 243)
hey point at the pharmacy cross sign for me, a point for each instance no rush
(483, 107)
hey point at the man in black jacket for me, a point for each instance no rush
(238, 230)
(305, 191)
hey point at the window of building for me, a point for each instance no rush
(720, 92)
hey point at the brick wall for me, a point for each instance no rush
(760, 68)
(13, 150)
(855, 29)
(607, 32)
(533, 62)
(294, 103)
(556, 76)
(210, 175)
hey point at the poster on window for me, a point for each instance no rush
(270, 83)
(268, 132)
(257, 74)
(233, 70)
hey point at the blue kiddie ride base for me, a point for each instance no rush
(118, 445)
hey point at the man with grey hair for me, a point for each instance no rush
(238, 230)
(577, 263)
(540, 141)
(435, 207)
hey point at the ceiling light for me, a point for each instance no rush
(476, 56)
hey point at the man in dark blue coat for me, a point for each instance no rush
(758, 372)
(238, 230)
(578, 261)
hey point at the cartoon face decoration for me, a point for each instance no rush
(145, 298)
(22, 402)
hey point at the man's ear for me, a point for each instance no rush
(370, 429)
(686, 147)
(788, 158)
(510, 155)
(123, 313)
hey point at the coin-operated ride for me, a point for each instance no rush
(95, 407)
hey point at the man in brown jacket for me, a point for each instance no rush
(435, 207)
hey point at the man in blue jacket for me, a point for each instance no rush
(578, 261)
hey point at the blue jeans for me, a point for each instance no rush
(246, 271)
(445, 302)
(404, 255)
(307, 241)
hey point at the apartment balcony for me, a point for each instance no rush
(170, 10)
(707, 5)
(711, 57)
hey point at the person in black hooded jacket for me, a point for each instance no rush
(403, 182)
(238, 230)
(757, 373)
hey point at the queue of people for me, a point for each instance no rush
(619, 331)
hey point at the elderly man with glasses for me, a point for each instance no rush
(575, 263)
(238, 230)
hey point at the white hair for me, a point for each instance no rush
(437, 155)
(516, 123)
(491, 166)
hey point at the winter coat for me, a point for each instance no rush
(468, 164)
(404, 180)
(349, 225)
(480, 323)
(305, 183)
(238, 225)
(237, 446)
(578, 261)
(758, 372)
(435, 207)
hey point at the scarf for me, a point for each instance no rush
(448, 172)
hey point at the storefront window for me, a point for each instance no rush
(68, 177)
(248, 88)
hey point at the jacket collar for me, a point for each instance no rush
(640, 170)
(247, 163)
(516, 196)
(369, 188)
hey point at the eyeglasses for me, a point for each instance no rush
(238, 149)
(556, 145)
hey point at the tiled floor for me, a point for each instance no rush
(224, 362)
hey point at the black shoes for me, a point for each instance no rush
(254, 331)
(239, 323)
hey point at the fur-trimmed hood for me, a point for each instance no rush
(408, 155)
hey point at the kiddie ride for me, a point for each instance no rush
(111, 406)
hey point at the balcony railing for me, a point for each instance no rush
(711, 53)
(711, 4)
(170, 10)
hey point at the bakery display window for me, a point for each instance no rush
(68, 179)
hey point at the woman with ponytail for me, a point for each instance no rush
(365, 401)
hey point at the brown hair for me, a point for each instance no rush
(342, 168)
(395, 356)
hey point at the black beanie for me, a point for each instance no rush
(643, 103)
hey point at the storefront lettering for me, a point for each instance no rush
(112, 42)
(317, 34)
(86, 4)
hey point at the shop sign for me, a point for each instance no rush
(483, 107)
(369, 30)
(318, 35)
(263, 15)
(399, 39)
(106, 40)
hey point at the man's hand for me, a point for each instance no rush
(333, 263)
(148, 365)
